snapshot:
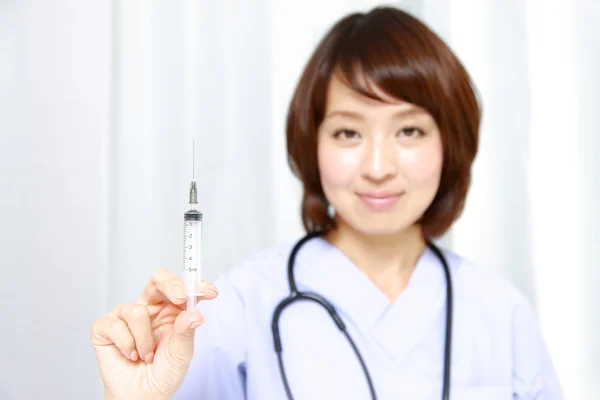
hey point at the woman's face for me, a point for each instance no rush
(380, 163)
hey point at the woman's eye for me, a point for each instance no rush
(345, 134)
(411, 132)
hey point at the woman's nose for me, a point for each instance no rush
(380, 160)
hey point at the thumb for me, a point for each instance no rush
(181, 342)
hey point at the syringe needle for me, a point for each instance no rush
(193, 159)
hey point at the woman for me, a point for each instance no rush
(382, 131)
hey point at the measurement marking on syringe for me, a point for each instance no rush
(192, 247)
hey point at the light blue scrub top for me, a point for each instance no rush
(497, 349)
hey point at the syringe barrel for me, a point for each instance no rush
(192, 252)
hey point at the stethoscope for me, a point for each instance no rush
(297, 295)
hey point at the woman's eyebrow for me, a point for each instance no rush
(407, 112)
(344, 113)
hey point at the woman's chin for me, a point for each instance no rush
(383, 228)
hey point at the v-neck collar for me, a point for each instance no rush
(324, 269)
(415, 311)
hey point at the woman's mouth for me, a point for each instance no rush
(379, 201)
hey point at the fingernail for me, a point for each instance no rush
(133, 356)
(202, 289)
(196, 323)
(179, 292)
(149, 357)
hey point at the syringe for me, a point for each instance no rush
(192, 247)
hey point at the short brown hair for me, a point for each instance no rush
(397, 53)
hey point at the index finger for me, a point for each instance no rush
(163, 285)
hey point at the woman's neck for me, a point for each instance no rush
(387, 260)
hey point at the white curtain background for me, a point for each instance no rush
(100, 103)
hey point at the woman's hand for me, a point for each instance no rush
(144, 348)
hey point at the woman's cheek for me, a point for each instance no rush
(421, 165)
(338, 166)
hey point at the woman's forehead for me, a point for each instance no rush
(343, 100)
